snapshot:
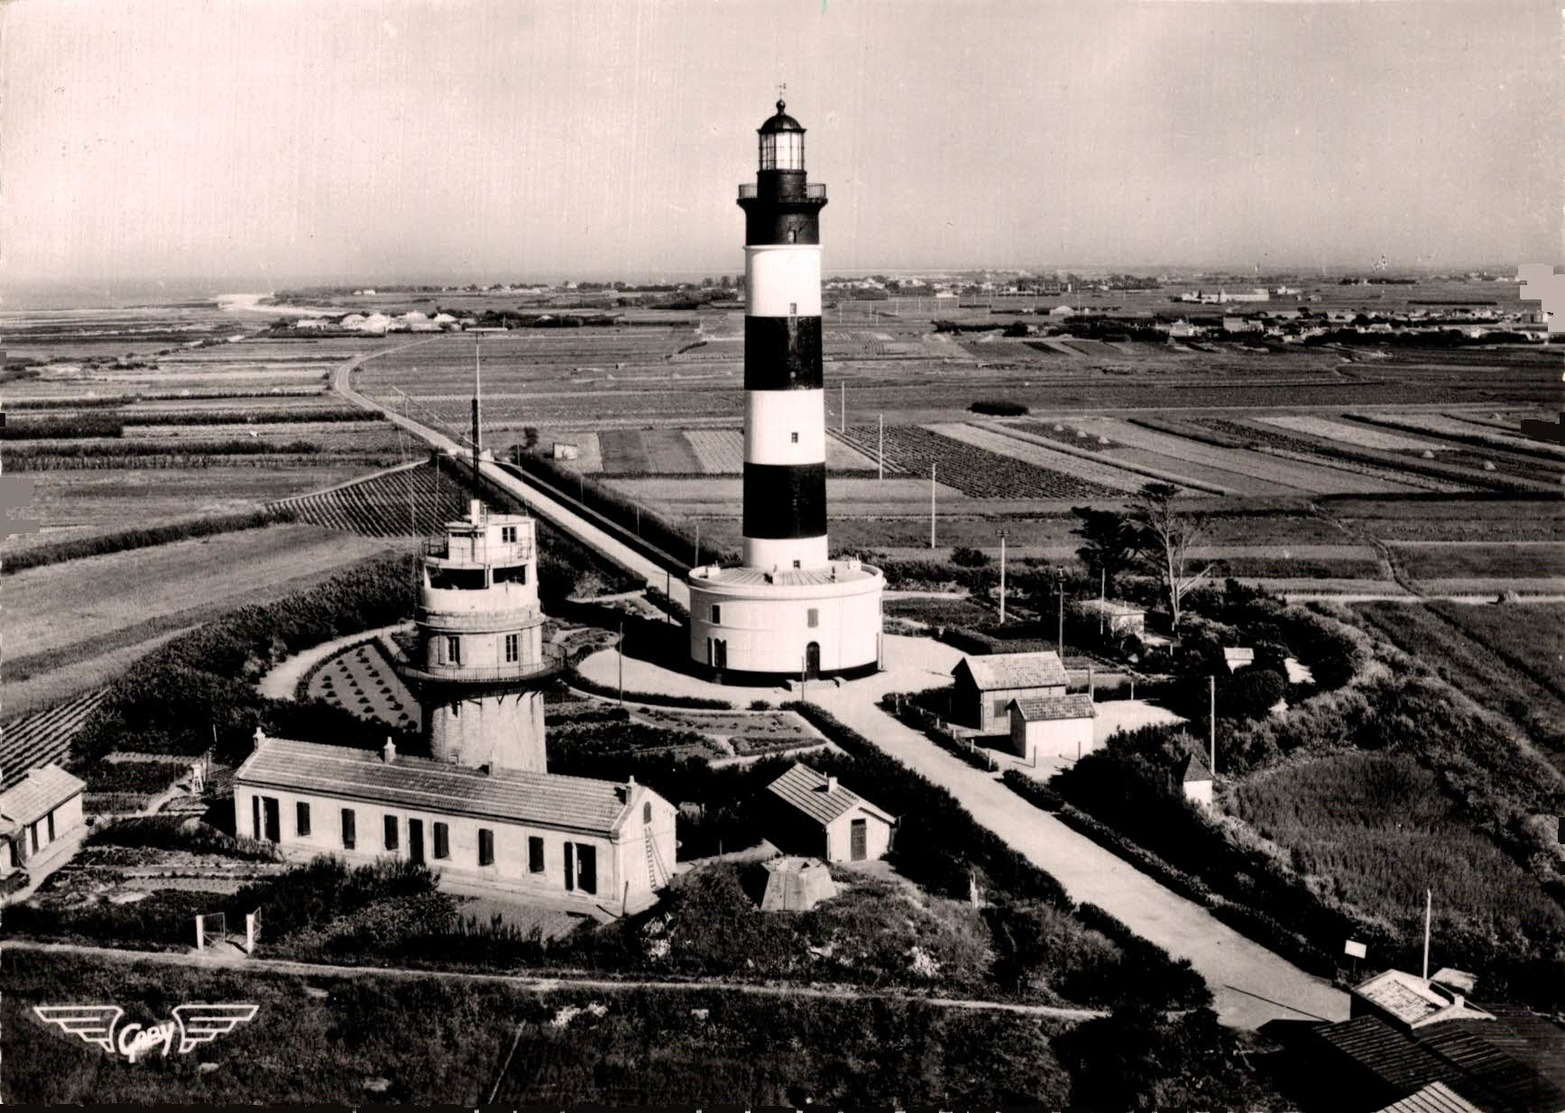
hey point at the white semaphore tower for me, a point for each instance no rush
(788, 608)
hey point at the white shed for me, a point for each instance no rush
(1052, 726)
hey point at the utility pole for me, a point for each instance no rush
(1062, 616)
(1429, 907)
(621, 644)
(1002, 577)
(1212, 723)
(842, 407)
(931, 506)
(697, 560)
(881, 472)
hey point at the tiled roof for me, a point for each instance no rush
(544, 799)
(1436, 1097)
(1112, 607)
(1239, 656)
(803, 788)
(43, 790)
(1044, 708)
(1394, 1057)
(1501, 1075)
(1015, 670)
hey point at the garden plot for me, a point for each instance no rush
(647, 452)
(1444, 425)
(1352, 434)
(974, 471)
(362, 680)
(43, 736)
(1102, 474)
(407, 501)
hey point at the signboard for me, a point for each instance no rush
(1355, 949)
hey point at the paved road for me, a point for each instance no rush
(230, 958)
(1251, 984)
(551, 511)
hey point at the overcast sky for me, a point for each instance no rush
(258, 143)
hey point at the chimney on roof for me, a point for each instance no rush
(630, 781)
(258, 737)
(831, 785)
(388, 752)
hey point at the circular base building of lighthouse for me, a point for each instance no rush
(749, 626)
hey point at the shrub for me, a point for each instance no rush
(1252, 692)
(968, 557)
(173, 832)
(999, 408)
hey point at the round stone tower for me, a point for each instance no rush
(480, 658)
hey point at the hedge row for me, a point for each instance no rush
(59, 551)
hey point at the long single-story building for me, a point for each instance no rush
(814, 815)
(608, 843)
(986, 685)
(40, 812)
(1052, 726)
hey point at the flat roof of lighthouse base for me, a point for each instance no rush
(851, 578)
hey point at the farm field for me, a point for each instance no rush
(1506, 658)
(1103, 474)
(1445, 560)
(39, 737)
(62, 618)
(408, 501)
(75, 504)
(976, 472)
(1379, 829)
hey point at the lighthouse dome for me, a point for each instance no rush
(780, 122)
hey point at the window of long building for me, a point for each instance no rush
(534, 854)
(485, 847)
(442, 841)
(301, 820)
(391, 832)
(350, 829)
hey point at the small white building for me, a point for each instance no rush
(1052, 727)
(1118, 618)
(38, 817)
(1238, 657)
(1196, 779)
(812, 814)
(607, 843)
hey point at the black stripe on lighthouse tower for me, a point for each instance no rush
(782, 353)
(784, 502)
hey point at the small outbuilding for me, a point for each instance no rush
(1196, 778)
(1052, 726)
(1118, 618)
(812, 814)
(796, 884)
(1237, 658)
(986, 685)
(42, 811)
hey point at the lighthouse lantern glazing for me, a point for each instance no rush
(788, 608)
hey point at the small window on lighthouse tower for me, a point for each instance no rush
(793, 438)
(793, 309)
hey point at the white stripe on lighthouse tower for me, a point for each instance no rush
(784, 427)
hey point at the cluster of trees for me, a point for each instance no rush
(1156, 537)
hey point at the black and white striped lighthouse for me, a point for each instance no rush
(787, 610)
(785, 403)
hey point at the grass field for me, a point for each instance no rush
(1507, 658)
(62, 620)
(1376, 829)
(338, 1041)
(1456, 560)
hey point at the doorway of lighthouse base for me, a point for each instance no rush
(812, 660)
(717, 653)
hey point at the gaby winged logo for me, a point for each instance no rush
(191, 1025)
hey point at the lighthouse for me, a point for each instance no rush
(479, 661)
(788, 608)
